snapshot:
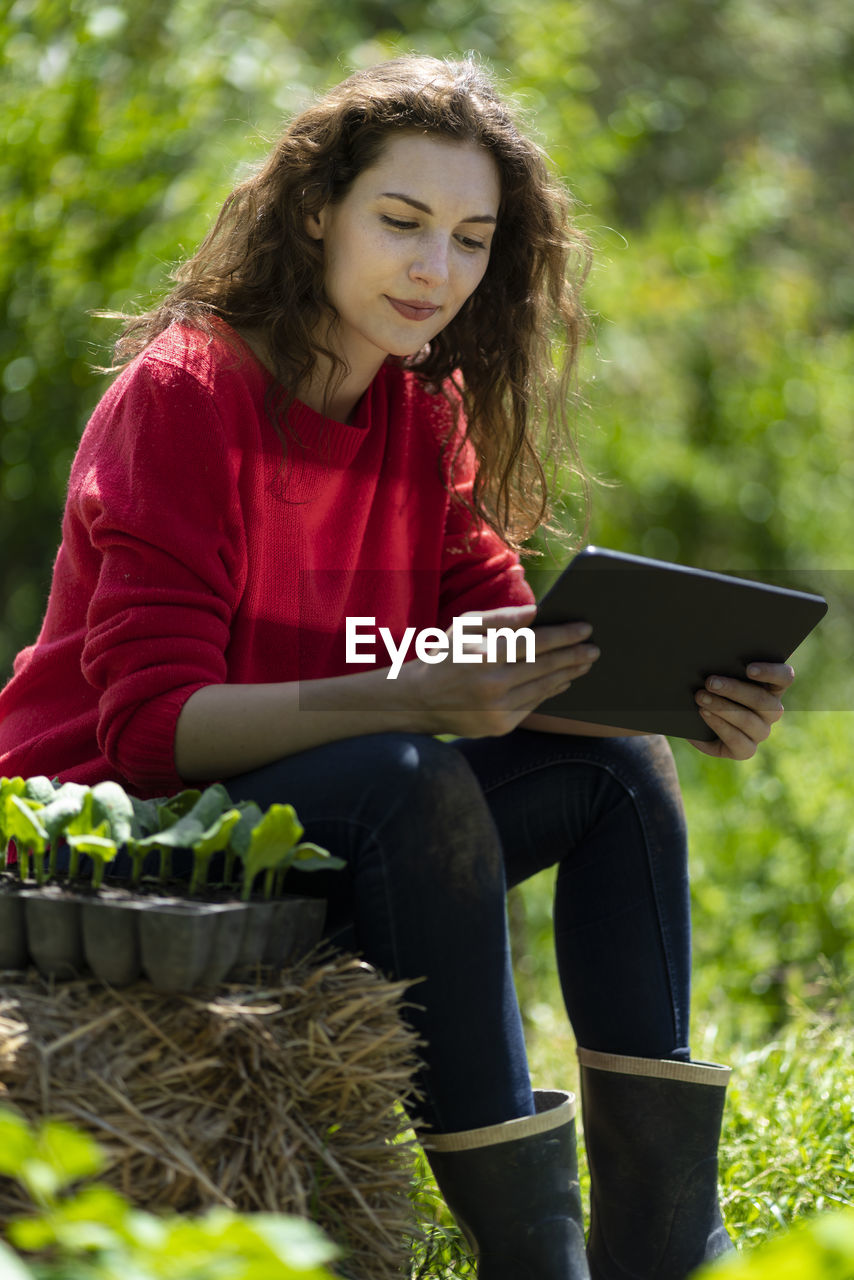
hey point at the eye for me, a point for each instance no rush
(472, 244)
(400, 224)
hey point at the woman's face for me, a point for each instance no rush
(407, 245)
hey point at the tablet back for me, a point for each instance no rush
(662, 629)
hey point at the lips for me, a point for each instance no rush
(413, 310)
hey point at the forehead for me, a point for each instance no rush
(431, 168)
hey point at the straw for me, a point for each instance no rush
(282, 1096)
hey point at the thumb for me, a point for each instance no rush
(508, 614)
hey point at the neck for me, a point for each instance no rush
(339, 400)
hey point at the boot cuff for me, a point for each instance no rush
(554, 1109)
(661, 1068)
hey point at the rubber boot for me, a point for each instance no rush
(652, 1128)
(513, 1189)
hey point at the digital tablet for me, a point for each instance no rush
(662, 630)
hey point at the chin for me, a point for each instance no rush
(408, 352)
(415, 358)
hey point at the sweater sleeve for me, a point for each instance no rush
(479, 570)
(155, 494)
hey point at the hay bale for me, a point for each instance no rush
(277, 1097)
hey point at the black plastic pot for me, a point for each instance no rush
(189, 944)
(111, 940)
(13, 932)
(177, 943)
(296, 925)
(54, 932)
(253, 946)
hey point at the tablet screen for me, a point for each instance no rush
(662, 630)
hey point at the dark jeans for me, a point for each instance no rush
(433, 835)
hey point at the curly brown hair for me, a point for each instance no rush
(511, 349)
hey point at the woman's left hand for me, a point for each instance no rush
(741, 712)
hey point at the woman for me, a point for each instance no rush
(330, 418)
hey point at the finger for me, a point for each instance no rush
(566, 661)
(507, 615)
(533, 692)
(563, 636)
(547, 638)
(757, 697)
(732, 740)
(776, 676)
(740, 718)
(513, 618)
(519, 670)
(473, 637)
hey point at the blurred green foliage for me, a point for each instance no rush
(77, 1229)
(819, 1250)
(708, 145)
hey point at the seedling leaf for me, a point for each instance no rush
(111, 802)
(67, 804)
(210, 842)
(99, 846)
(39, 788)
(174, 807)
(271, 844)
(311, 857)
(145, 817)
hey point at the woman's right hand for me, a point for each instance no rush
(224, 729)
(488, 699)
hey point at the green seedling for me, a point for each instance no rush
(145, 817)
(112, 804)
(306, 857)
(146, 821)
(112, 819)
(168, 813)
(40, 789)
(9, 787)
(177, 806)
(98, 821)
(25, 828)
(273, 848)
(212, 841)
(99, 846)
(137, 853)
(238, 845)
(82, 824)
(66, 804)
(270, 844)
(205, 828)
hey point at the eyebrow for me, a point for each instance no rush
(425, 208)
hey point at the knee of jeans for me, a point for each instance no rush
(447, 822)
(647, 768)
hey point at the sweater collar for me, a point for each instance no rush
(334, 442)
(327, 439)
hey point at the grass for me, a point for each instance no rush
(786, 1148)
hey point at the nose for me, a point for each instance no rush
(430, 267)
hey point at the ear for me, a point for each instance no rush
(315, 224)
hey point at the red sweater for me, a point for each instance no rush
(196, 551)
